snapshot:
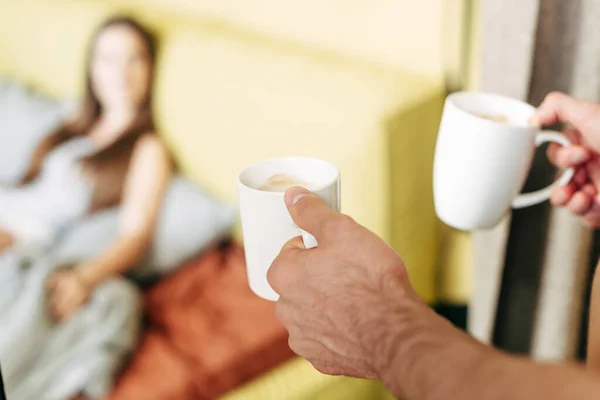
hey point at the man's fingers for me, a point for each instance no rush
(309, 348)
(559, 107)
(328, 368)
(308, 211)
(332, 368)
(295, 243)
(281, 273)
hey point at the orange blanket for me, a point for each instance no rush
(208, 334)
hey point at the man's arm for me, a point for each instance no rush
(433, 360)
(350, 310)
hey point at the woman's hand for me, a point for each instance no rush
(581, 195)
(6, 240)
(68, 292)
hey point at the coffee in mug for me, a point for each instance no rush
(282, 182)
(503, 119)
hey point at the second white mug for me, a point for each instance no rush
(484, 151)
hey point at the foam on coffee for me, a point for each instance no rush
(282, 182)
(503, 119)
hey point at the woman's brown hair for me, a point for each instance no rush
(107, 166)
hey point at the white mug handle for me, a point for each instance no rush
(530, 199)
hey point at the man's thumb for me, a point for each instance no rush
(307, 210)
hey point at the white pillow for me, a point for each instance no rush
(25, 118)
(191, 220)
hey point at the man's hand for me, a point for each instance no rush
(337, 299)
(583, 119)
(350, 310)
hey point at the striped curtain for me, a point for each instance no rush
(532, 272)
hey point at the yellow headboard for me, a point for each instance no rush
(226, 98)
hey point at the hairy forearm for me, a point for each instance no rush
(433, 360)
(116, 260)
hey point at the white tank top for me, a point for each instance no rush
(55, 199)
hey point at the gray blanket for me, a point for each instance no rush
(44, 360)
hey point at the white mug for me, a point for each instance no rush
(481, 165)
(266, 222)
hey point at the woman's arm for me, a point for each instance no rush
(145, 186)
(593, 351)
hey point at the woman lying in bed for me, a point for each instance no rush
(106, 156)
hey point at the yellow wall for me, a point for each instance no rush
(474, 45)
(438, 38)
(362, 50)
(456, 258)
(227, 97)
(404, 34)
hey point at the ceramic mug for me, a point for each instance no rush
(484, 152)
(266, 222)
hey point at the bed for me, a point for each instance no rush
(206, 333)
